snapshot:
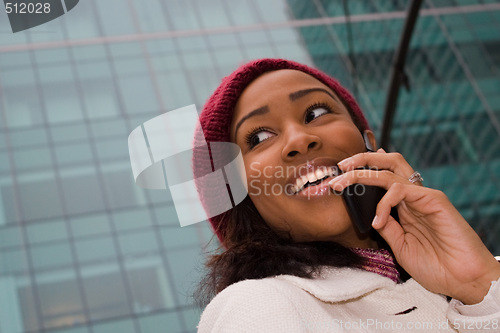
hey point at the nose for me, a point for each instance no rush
(299, 140)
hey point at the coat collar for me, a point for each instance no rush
(340, 284)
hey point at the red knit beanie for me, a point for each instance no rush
(217, 114)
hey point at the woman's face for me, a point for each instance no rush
(293, 130)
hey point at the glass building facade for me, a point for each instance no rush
(85, 250)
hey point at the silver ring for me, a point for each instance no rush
(415, 177)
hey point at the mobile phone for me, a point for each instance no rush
(361, 201)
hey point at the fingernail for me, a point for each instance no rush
(336, 179)
(338, 188)
(375, 222)
(381, 150)
(345, 162)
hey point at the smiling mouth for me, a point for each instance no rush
(314, 178)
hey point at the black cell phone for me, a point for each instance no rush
(361, 201)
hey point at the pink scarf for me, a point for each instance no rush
(379, 261)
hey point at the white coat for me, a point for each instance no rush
(344, 300)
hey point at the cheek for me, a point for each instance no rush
(264, 177)
(254, 172)
(272, 210)
(265, 188)
(347, 137)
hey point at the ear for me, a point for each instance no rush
(370, 141)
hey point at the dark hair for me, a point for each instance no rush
(255, 251)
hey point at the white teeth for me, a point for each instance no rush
(333, 171)
(311, 177)
(300, 182)
(319, 174)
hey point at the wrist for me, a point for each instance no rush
(475, 291)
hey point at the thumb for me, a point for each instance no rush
(390, 230)
(384, 223)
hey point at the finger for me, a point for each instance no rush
(394, 162)
(416, 179)
(398, 192)
(382, 178)
(390, 230)
(395, 194)
(384, 223)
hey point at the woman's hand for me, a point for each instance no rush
(432, 242)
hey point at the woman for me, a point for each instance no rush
(293, 260)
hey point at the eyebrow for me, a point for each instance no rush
(293, 97)
(256, 112)
(301, 93)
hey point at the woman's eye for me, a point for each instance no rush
(315, 113)
(258, 137)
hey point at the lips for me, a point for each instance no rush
(311, 173)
